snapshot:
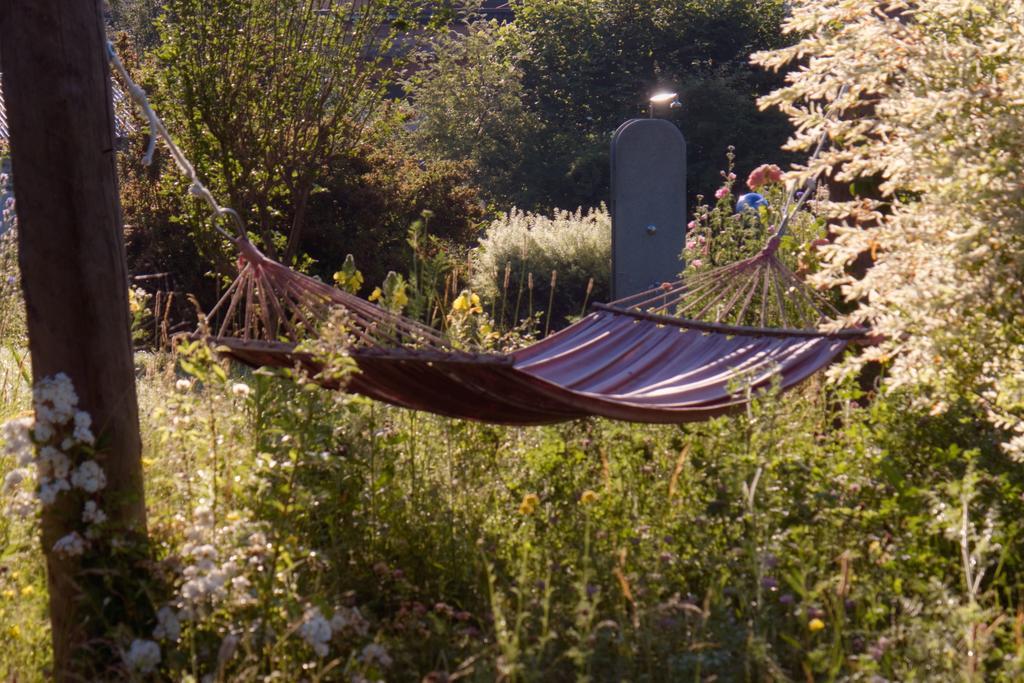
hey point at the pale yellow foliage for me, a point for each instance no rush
(934, 107)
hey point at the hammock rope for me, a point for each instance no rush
(687, 350)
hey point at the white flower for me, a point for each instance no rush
(204, 516)
(143, 656)
(192, 590)
(53, 463)
(89, 477)
(17, 440)
(43, 431)
(55, 398)
(22, 505)
(167, 624)
(182, 385)
(316, 631)
(374, 653)
(72, 545)
(92, 514)
(83, 423)
(13, 479)
(258, 542)
(204, 552)
(240, 389)
(49, 489)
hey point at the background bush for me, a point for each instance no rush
(534, 104)
(518, 245)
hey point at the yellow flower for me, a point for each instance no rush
(376, 294)
(9, 594)
(588, 497)
(14, 631)
(529, 504)
(815, 625)
(28, 590)
(468, 302)
(349, 278)
(401, 299)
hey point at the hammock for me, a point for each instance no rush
(684, 351)
(635, 359)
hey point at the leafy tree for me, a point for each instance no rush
(471, 105)
(928, 99)
(579, 70)
(265, 93)
(371, 196)
(137, 19)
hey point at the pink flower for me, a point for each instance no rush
(763, 175)
(697, 263)
(731, 176)
(721, 192)
(691, 225)
(691, 244)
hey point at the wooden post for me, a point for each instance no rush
(71, 252)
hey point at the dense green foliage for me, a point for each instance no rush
(470, 105)
(534, 103)
(365, 202)
(264, 94)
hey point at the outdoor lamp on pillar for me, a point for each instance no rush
(663, 99)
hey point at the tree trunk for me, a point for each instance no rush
(298, 221)
(71, 252)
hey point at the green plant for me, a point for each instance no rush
(263, 95)
(530, 264)
(585, 70)
(470, 106)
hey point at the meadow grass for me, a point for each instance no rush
(813, 536)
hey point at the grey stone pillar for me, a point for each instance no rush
(648, 205)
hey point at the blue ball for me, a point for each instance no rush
(752, 201)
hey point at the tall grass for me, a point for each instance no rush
(809, 537)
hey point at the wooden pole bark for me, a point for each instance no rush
(71, 252)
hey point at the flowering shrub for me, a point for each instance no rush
(718, 235)
(929, 103)
(527, 263)
(53, 455)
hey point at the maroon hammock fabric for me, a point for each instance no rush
(610, 364)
